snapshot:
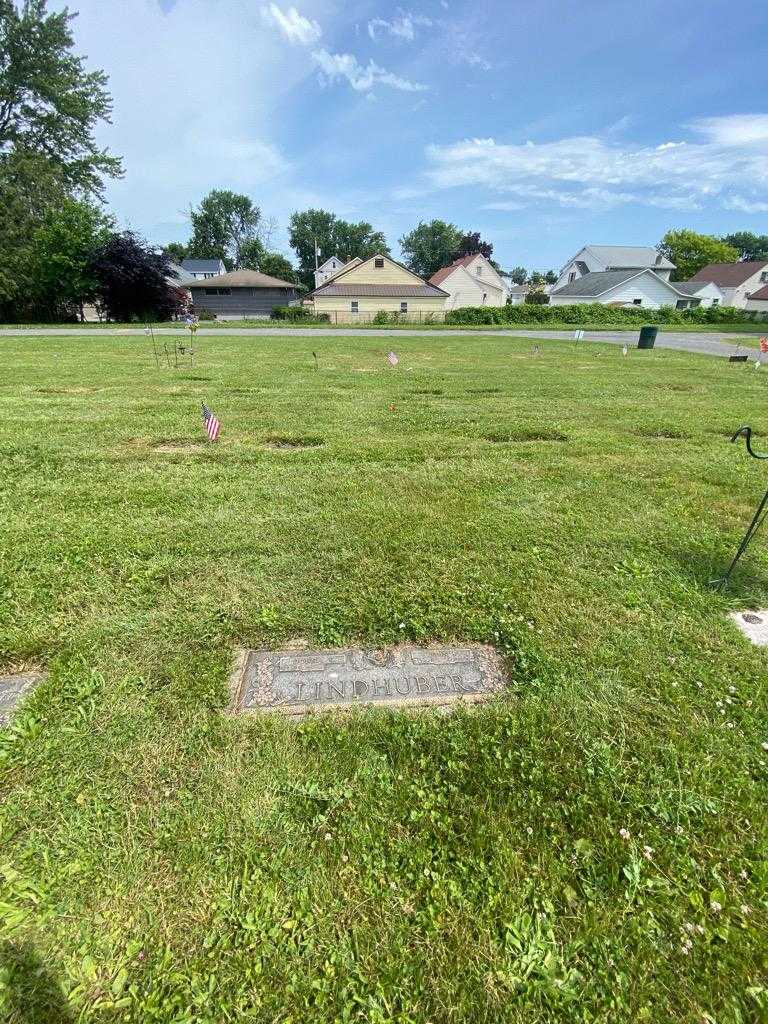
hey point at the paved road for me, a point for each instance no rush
(713, 344)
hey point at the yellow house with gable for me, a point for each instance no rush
(363, 288)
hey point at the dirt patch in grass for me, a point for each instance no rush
(673, 387)
(177, 447)
(430, 392)
(292, 444)
(483, 391)
(66, 391)
(664, 433)
(523, 436)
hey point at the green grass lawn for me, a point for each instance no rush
(590, 848)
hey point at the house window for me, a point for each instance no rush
(715, 302)
(572, 276)
(764, 276)
(378, 263)
(403, 307)
(354, 306)
(485, 296)
(637, 302)
(682, 304)
(218, 291)
(479, 271)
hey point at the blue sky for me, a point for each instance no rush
(545, 126)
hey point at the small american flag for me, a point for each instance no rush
(210, 424)
(764, 345)
(393, 360)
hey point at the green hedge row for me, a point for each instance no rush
(595, 313)
(298, 314)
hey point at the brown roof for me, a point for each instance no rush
(241, 279)
(389, 290)
(440, 275)
(407, 291)
(730, 275)
(761, 293)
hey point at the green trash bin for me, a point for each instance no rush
(647, 337)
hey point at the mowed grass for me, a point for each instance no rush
(590, 848)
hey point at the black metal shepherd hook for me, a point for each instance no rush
(757, 519)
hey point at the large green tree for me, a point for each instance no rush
(690, 251)
(177, 251)
(518, 275)
(320, 234)
(430, 246)
(276, 265)
(749, 245)
(225, 226)
(60, 256)
(30, 187)
(50, 104)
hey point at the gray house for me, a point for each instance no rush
(201, 270)
(241, 293)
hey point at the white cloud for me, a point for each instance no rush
(402, 27)
(294, 26)
(745, 205)
(474, 60)
(591, 172)
(362, 77)
(735, 130)
(335, 66)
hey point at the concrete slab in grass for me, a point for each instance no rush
(13, 689)
(753, 624)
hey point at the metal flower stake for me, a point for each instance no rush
(757, 519)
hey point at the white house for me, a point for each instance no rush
(471, 281)
(737, 281)
(644, 288)
(699, 293)
(758, 301)
(333, 266)
(518, 292)
(599, 258)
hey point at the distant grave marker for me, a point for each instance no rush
(14, 688)
(298, 682)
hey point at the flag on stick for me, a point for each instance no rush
(210, 424)
(393, 360)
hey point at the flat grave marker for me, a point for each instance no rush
(296, 683)
(14, 688)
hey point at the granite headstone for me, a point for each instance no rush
(298, 682)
